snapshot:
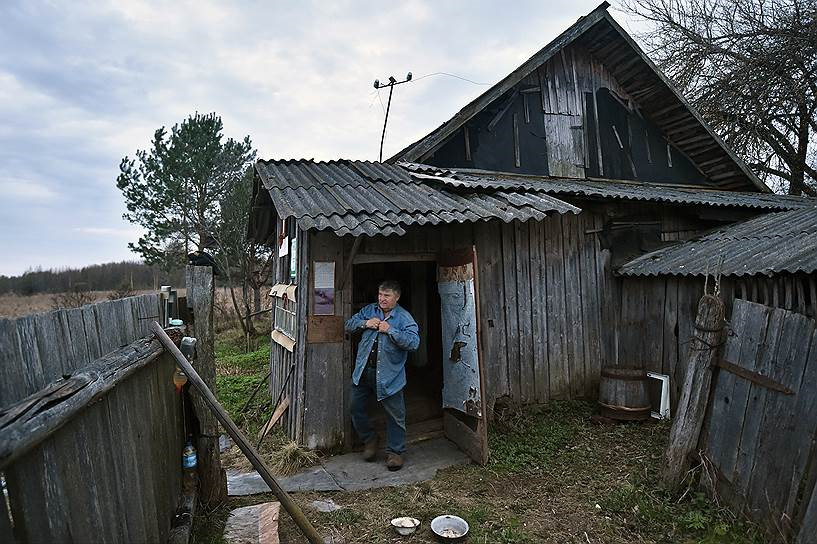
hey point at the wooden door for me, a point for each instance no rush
(463, 384)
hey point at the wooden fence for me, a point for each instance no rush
(38, 349)
(761, 431)
(94, 456)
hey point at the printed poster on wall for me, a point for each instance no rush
(324, 288)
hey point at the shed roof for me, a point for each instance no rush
(768, 244)
(623, 190)
(360, 197)
(657, 99)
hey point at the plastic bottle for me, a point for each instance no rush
(179, 379)
(189, 458)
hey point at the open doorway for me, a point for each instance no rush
(424, 376)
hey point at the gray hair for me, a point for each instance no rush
(389, 285)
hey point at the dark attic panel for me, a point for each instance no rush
(631, 146)
(508, 136)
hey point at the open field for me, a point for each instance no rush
(13, 305)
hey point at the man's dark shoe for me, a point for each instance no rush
(394, 461)
(370, 450)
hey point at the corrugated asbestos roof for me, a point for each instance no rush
(771, 243)
(473, 179)
(356, 197)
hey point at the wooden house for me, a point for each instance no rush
(504, 226)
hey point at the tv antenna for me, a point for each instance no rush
(377, 85)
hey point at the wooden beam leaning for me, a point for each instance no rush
(686, 426)
(33, 419)
(249, 451)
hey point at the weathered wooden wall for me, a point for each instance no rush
(111, 472)
(542, 287)
(763, 442)
(40, 348)
(281, 360)
(654, 316)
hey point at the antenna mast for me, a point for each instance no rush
(377, 85)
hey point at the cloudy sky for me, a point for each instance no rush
(83, 84)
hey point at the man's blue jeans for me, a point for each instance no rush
(395, 413)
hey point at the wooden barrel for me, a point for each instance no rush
(623, 394)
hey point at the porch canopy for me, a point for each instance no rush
(367, 198)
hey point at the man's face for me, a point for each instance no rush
(387, 299)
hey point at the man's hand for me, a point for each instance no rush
(383, 326)
(373, 323)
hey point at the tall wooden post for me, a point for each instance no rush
(689, 417)
(200, 294)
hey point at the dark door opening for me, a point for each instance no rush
(424, 377)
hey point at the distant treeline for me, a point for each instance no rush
(98, 277)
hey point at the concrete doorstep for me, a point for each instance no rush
(349, 472)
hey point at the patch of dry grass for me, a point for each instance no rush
(290, 458)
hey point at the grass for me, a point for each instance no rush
(552, 477)
(238, 375)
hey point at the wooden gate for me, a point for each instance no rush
(761, 428)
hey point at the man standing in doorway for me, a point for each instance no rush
(389, 333)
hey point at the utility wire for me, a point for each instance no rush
(454, 76)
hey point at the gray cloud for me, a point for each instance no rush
(82, 85)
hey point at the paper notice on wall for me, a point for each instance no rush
(283, 249)
(324, 288)
(324, 275)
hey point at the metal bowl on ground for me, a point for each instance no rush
(449, 528)
(405, 525)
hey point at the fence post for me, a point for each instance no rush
(200, 294)
(689, 417)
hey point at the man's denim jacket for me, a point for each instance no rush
(392, 347)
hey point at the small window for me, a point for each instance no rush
(284, 317)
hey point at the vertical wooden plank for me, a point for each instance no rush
(753, 416)
(591, 318)
(731, 393)
(689, 293)
(607, 295)
(573, 305)
(120, 431)
(652, 330)
(776, 463)
(77, 344)
(33, 375)
(106, 327)
(153, 460)
(300, 355)
(538, 288)
(52, 345)
(36, 494)
(12, 368)
(511, 309)
(492, 308)
(670, 337)
(524, 312)
(558, 361)
(516, 155)
(82, 501)
(91, 332)
(104, 460)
